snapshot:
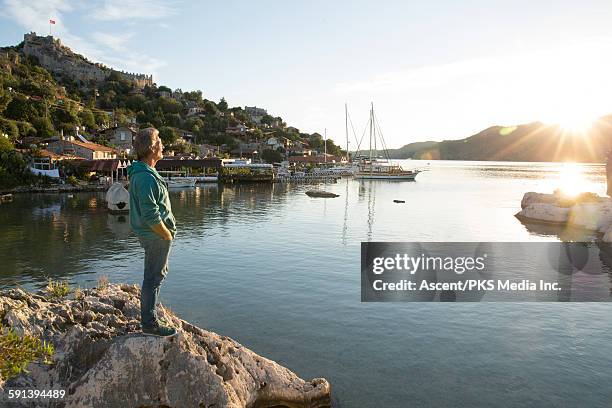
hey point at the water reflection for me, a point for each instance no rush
(271, 251)
(62, 235)
(46, 235)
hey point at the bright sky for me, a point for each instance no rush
(436, 69)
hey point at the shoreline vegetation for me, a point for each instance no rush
(88, 343)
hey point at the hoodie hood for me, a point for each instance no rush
(140, 167)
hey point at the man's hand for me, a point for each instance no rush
(161, 230)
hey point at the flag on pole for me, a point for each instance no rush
(51, 21)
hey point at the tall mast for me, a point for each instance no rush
(374, 130)
(325, 144)
(371, 125)
(346, 129)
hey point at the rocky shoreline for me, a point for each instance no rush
(102, 359)
(586, 211)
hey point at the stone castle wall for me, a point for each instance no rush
(59, 59)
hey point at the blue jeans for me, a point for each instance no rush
(155, 270)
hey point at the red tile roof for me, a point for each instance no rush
(54, 156)
(92, 146)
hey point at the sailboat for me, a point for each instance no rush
(377, 168)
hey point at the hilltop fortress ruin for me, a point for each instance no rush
(59, 59)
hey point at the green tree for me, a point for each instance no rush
(21, 108)
(168, 135)
(108, 100)
(194, 96)
(271, 156)
(65, 118)
(5, 144)
(169, 105)
(5, 99)
(172, 119)
(101, 118)
(9, 128)
(44, 127)
(210, 108)
(222, 105)
(194, 124)
(267, 120)
(25, 129)
(120, 117)
(87, 119)
(135, 102)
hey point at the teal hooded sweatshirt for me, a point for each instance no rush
(149, 201)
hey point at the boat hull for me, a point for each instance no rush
(399, 177)
(207, 179)
(181, 182)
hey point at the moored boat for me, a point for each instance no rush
(376, 168)
(117, 199)
(321, 194)
(180, 182)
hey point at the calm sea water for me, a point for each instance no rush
(280, 272)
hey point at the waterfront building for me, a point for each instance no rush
(120, 136)
(86, 150)
(45, 163)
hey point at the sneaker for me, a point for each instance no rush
(161, 331)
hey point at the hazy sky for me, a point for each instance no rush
(434, 69)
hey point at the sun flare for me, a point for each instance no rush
(573, 121)
(571, 180)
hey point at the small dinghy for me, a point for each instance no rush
(322, 194)
(118, 199)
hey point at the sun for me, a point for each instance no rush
(578, 125)
(573, 121)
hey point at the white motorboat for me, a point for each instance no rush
(207, 179)
(180, 182)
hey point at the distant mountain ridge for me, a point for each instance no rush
(527, 142)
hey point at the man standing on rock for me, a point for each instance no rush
(152, 220)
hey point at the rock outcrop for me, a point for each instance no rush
(61, 60)
(102, 359)
(587, 211)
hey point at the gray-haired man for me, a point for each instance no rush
(152, 220)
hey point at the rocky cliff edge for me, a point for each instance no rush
(102, 359)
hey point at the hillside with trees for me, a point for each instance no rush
(36, 105)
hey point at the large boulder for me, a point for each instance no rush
(538, 198)
(544, 212)
(102, 359)
(594, 216)
(587, 211)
